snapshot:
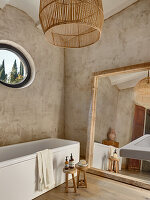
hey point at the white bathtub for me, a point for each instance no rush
(18, 167)
(101, 156)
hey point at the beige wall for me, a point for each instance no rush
(37, 111)
(115, 109)
(124, 119)
(106, 108)
(125, 41)
(125, 116)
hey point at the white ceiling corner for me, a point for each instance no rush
(31, 7)
(3, 3)
(127, 80)
(112, 7)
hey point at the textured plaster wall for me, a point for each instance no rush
(115, 109)
(125, 116)
(106, 112)
(125, 41)
(37, 111)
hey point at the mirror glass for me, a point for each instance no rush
(122, 128)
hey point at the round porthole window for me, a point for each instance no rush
(15, 70)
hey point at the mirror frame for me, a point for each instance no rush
(92, 120)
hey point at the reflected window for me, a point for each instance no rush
(15, 69)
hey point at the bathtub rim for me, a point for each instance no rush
(31, 156)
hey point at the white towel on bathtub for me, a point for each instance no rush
(45, 170)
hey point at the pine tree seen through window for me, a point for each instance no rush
(12, 69)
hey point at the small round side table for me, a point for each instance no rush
(83, 169)
(114, 162)
(72, 172)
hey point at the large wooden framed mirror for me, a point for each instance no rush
(116, 121)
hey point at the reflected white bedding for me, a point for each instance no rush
(144, 142)
(138, 149)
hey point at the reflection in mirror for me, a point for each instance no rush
(122, 129)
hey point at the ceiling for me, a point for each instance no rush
(110, 7)
(31, 7)
(127, 80)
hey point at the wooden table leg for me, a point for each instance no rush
(109, 168)
(74, 183)
(78, 175)
(117, 167)
(112, 165)
(85, 181)
(66, 182)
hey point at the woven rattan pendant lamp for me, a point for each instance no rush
(142, 92)
(71, 23)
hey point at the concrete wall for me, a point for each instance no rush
(125, 116)
(115, 109)
(106, 108)
(125, 41)
(37, 111)
(124, 119)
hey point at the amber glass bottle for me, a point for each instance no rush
(66, 163)
(71, 162)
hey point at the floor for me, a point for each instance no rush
(99, 189)
(137, 174)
